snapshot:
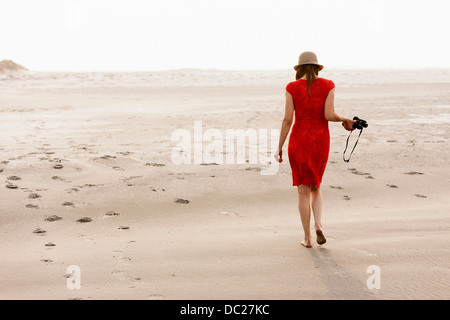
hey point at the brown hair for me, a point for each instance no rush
(311, 71)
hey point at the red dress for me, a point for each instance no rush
(309, 142)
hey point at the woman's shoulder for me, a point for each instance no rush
(326, 82)
(295, 83)
(291, 85)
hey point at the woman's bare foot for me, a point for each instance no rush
(320, 237)
(306, 244)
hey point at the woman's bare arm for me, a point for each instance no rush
(331, 115)
(285, 125)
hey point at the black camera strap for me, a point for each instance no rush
(346, 145)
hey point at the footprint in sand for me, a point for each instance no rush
(107, 157)
(31, 206)
(50, 244)
(58, 166)
(125, 153)
(84, 220)
(360, 173)
(11, 186)
(52, 218)
(86, 238)
(119, 274)
(420, 195)
(392, 186)
(118, 254)
(257, 169)
(89, 185)
(13, 178)
(345, 197)
(68, 204)
(47, 260)
(154, 164)
(112, 214)
(183, 201)
(126, 179)
(336, 187)
(34, 196)
(123, 228)
(39, 231)
(413, 173)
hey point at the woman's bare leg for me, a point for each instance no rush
(304, 206)
(316, 204)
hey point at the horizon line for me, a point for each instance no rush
(404, 68)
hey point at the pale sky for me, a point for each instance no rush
(146, 35)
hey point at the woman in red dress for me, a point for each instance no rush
(312, 100)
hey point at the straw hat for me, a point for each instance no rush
(308, 57)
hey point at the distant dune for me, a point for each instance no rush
(10, 66)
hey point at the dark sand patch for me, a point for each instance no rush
(154, 164)
(53, 218)
(112, 214)
(413, 173)
(68, 204)
(39, 231)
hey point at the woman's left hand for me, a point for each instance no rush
(348, 124)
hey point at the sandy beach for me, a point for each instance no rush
(99, 145)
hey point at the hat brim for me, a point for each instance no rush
(299, 65)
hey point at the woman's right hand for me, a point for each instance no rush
(279, 155)
(348, 124)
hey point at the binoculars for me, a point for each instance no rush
(360, 123)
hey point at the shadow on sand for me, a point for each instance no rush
(341, 284)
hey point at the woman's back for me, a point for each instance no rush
(310, 107)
